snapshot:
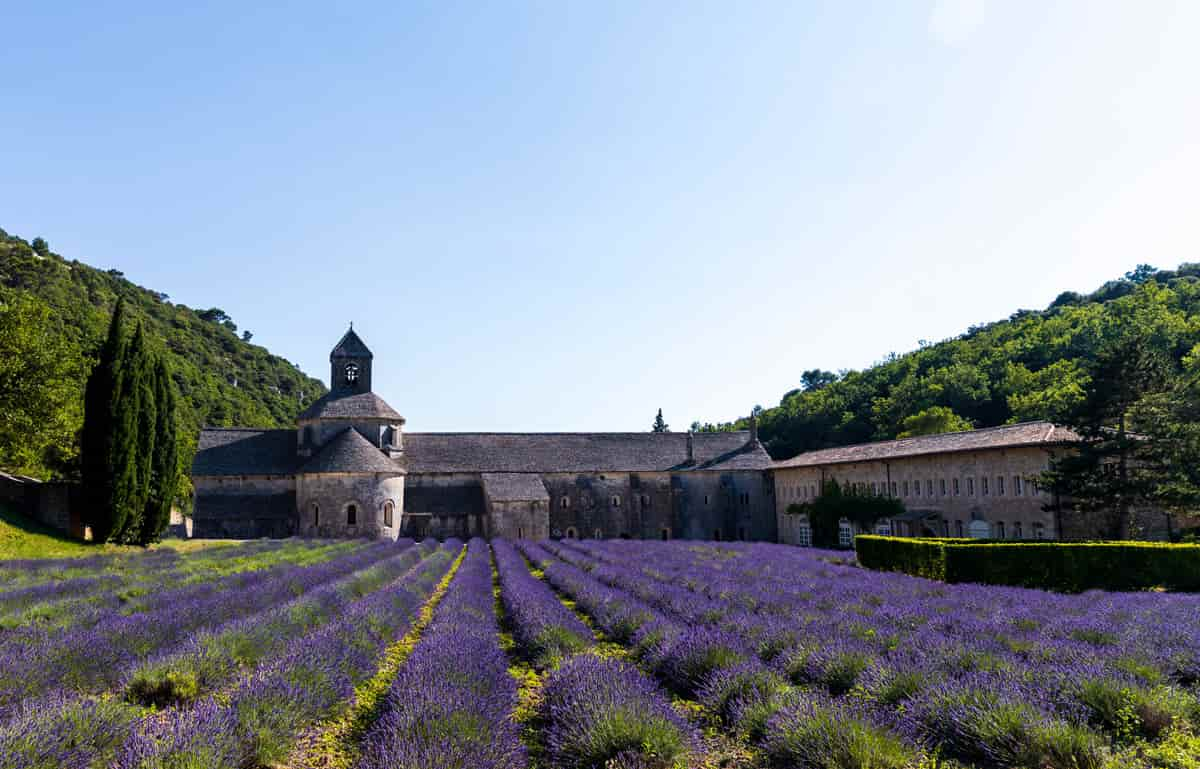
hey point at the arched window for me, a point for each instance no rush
(564, 503)
(666, 534)
(571, 532)
(351, 515)
(597, 534)
(520, 533)
(316, 511)
(616, 501)
(389, 509)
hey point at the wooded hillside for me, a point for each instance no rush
(61, 307)
(1037, 364)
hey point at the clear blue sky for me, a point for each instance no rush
(562, 216)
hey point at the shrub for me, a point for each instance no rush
(1064, 566)
(806, 734)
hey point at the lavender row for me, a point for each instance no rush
(259, 721)
(544, 629)
(719, 669)
(82, 601)
(597, 712)
(452, 702)
(941, 665)
(213, 657)
(35, 660)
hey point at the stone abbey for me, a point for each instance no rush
(350, 470)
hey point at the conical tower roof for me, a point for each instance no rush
(351, 346)
(349, 452)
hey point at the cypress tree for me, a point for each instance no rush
(99, 436)
(164, 468)
(134, 430)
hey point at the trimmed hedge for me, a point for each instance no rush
(1065, 566)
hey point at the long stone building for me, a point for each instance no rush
(349, 469)
(981, 483)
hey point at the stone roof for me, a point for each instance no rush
(579, 452)
(242, 451)
(342, 405)
(239, 451)
(514, 487)
(349, 452)
(1006, 436)
(351, 346)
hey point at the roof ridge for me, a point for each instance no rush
(567, 432)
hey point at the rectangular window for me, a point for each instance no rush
(906, 488)
(893, 488)
(845, 534)
(872, 488)
(999, 485)
(943, 486)
(1018, 485)
(929, 488)
(983, 485)
(958, 529)
(1034, 488)
(999, 529)
(955, 483)
(1017, 530)
(970, 487)
(805, 535)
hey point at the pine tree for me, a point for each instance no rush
(99, 434)
(165, 463)
(659, 425)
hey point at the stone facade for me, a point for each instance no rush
(349, 470)
(981, 483)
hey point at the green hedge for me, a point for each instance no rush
(1065, 566)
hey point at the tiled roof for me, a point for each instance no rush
(340, 405)
(351, 346)
(241, 451)
(273, 452)
(349, 452)
(579, 452)
(511, 487)
(1006, 436)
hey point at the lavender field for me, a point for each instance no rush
(614, 654)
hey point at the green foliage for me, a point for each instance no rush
(835, 503)
(219, 379)
(40, 407)
(1063, 566)
(660, 426)
(1033, 365)
(932, 421)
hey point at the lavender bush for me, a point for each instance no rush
(452, 703)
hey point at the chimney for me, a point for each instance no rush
(753, 428)
(691, 449)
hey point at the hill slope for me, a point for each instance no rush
(1033, 365)
(222, 379)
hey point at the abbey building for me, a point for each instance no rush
(349, 469)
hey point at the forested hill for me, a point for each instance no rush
(222, 378)
(1034, 365)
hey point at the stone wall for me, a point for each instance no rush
(525, 519)
(244, 507)
(444, 505)
(996, 486)
(350, 504)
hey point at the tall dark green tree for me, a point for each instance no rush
(130, 446)
(138, 401)
(660, 426)
(99, 438)
(164, 466)
(1115, 468)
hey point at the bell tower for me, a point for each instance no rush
(350, 365)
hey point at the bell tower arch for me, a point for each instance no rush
(350, 365)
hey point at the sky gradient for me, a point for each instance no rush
(563, 216)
